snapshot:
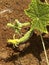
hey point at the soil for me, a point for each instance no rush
(28, 53)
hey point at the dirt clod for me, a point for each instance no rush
(29, 53)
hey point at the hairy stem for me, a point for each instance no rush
(25, 24)
(22, 39)
(26, 36)
(44, 49)
(20, 25)
(10, 25)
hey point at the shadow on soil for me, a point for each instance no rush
(34, 48)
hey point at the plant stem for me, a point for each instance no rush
(44, 49)
(25, 24)
(20, 40)
(46, 2)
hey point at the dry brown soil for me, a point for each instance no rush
(28, 53)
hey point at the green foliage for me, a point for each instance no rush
(21, 40)
(17, 26)
(39, 14)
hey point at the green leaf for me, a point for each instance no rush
(17, 26)
(39, 14)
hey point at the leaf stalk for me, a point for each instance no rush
(44, 49)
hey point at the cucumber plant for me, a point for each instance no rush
(39, 15)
